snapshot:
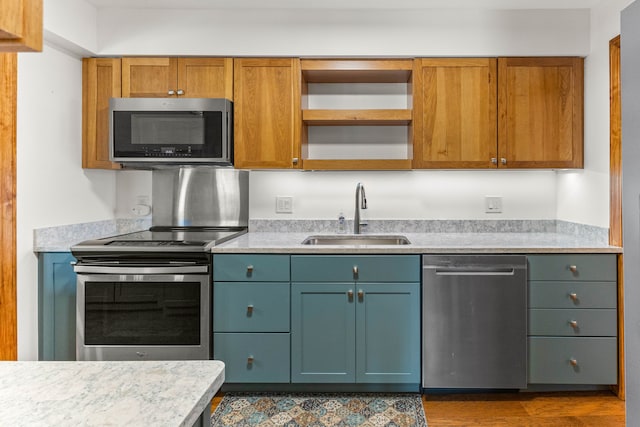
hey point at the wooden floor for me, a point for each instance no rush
(601, 409)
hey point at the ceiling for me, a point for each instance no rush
(345, 4)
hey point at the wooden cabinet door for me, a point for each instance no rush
(455, 113)
(205, 77)
(149, 77)
(170, 77)
(100, 81)
(540, 104)
(267, 113)
(323, 333)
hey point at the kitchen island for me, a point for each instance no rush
(149, 393)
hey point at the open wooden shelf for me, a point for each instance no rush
(378, 75)
(356, 117)
(356, 164)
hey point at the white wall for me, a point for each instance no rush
(583, 196)
(313, 32)
(405, 195)
(52, 188)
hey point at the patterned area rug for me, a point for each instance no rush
(319, 410)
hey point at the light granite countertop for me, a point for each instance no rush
(422, 243)
(141, 393)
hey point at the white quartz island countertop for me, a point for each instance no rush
(143, 393)
(422, 243)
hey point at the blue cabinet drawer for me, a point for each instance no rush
(250, 268)
(567, 267)
(251, 307)
(569, 360)
(572, 294)
(573, 322)
(253, 358)
(349, 268)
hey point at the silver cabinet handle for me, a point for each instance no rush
(180, 92)
(360, 294)
(503, 160)
(250, 360)
(295, 160)
(171, 92)
(573, 268)
(573, 324)
(573, 296)
(494, 160)
(350, 294)
(355, 270)
(573, 362)
(249, 269)
(249, 309)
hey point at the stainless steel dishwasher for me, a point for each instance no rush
(474, 321)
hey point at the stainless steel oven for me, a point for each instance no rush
(151, 311)
(147, 294)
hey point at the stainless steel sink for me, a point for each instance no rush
(356, 239)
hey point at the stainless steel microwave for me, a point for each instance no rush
(171, 131)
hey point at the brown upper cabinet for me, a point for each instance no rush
(267, 113)
(540, 105)
(101, 78)
(21, 26)
(455, 113)
(150, 77)
(504, 113)
(356, 113)
(104, 78)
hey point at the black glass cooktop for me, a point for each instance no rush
(162, 239)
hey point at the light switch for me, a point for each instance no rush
(493, 204)
(284, 204)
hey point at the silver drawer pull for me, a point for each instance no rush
(350, 294)
(249, 309)
(573, 296)
(249, 269)
(573, 268)
(573, 362)
(355, 270)
(360, 294)
(250, 360)
(574, 324)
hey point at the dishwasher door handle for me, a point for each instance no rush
(474, 272)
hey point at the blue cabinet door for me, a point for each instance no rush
(56, 306)
(323, 333)
(388, 333)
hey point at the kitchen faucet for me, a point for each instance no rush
(361, 203)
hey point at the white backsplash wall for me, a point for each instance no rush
(390, 194)
(405, 194)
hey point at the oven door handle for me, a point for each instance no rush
(113, 269)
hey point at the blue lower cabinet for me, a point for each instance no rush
(572, 360)
(253, 357)
(56, 306)
(388, 333)
(362, 333)
(323, 342)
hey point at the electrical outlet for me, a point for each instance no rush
(493, 204)
(284, 204)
